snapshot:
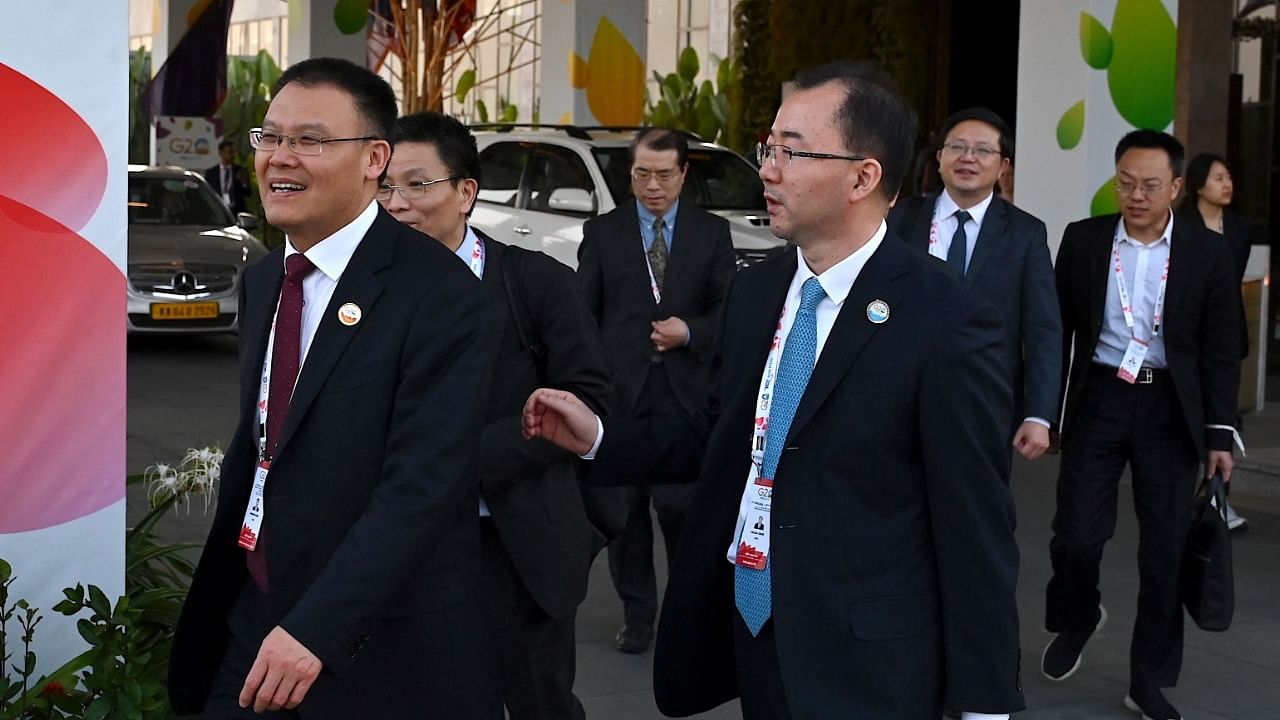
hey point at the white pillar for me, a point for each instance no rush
(326, 28)
(593, 68)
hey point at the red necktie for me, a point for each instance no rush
(286, 359)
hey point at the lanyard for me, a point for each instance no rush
(653, 281)
(477, 258)
(764, 400)
(1157, 314)
(264, 389)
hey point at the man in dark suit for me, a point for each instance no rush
(537, 544)
(1151, 307)
(888, 560)
(654, 273)
(229, 180)
(1001, 252)
(340, 569)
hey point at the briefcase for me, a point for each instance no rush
(1207, 586)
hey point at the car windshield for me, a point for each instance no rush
(718, 180)
(175, 201)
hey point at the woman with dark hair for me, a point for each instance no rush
(1209, 192)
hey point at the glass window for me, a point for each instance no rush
(175, 201)
(556, 168)
(718, 179)
(501, 166)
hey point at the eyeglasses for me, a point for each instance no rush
(644, 175)
(1127, 187)
(301, 144)
(979, 152)
(411, 190)
(766, 151)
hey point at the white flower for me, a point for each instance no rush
(198, 472)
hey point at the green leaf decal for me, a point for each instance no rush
(1071, 126)
(1104, 201)
(1095, 42)
(1141, 73)
(465, 83)
(350, 16)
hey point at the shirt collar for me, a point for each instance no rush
(948, 207)
(468, 246)
(838, 280)
(331, 255)
(1122, 234)
(647, 217)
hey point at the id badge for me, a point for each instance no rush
(1132, 362)
(753, 548)
(253, 513)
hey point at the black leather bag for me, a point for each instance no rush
(1207, 585)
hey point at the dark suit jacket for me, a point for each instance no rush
(1238, 234)
(613, 276)
(531, 487)
(1012, 268)
(370, 526)
(1201, 325)
(239, 185)
(894, 558)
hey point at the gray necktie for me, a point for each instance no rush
(959, 243)
(658, 252)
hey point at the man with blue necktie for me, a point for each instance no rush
(860, 415)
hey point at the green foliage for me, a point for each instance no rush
(754, 94)
(123, 673)
(139, 125)
(249, 84)
(686, 105)
(1095, 42)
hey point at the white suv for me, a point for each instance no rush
(538, 186)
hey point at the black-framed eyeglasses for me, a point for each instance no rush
(411, 190)
(767, 151)
(260, 139)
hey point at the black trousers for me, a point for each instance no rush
(1142, 426)
(631, 554)
(537, 652)
(249, 625)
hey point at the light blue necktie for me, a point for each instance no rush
(753, 589)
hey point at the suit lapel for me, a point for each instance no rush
(852, 329)
(991, 239)
(765, 307)
(919, 219)
(359, 285)
(1182, 258)
(679, 253)
(255, 326)
(1098, 265)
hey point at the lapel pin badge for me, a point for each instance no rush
(349, 314)
(877, 311)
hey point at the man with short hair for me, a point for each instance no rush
(338, 580)
(653, 273)
(1002, 253)
(229, 180)
(1151, 307)
(536, 541)
(860, 412)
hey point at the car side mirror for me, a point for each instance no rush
(574, 200)
(247, 221)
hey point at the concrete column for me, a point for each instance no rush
(169, 22)
(325, 28)
(592, 65)
(1201, 95)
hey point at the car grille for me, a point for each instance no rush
(188, 280)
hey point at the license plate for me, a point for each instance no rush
(184, 311)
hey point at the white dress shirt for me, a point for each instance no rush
(1143, 265)
(945, 223)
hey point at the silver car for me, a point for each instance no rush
(186, 253)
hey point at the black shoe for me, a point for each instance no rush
(1061, 656)
(633, 638)
(1151, 703)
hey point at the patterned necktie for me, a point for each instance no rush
(959, 243)
(286, 359)
(753, 589)
(658, 252)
